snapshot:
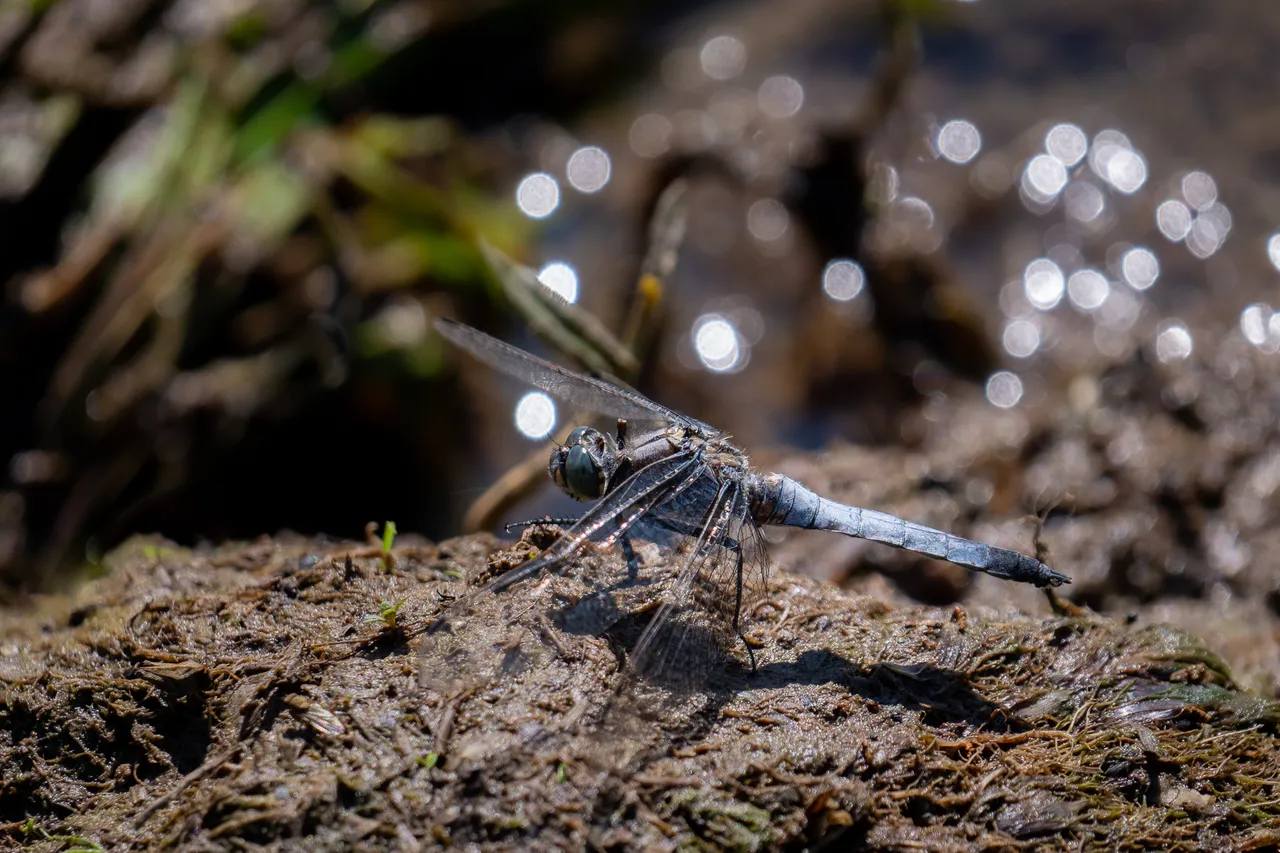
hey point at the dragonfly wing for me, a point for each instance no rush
(681, 661)
(686, 647)
(672, 522)
(578, 587)
(594, 395)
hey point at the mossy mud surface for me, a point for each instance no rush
(263, 696)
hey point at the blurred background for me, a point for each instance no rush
(1000, 263)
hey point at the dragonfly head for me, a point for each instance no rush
(583, 466)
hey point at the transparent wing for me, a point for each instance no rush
(591, 394)
(601, 526)
(534, 633)
(693, 646)
(671, 523)
(540, 611)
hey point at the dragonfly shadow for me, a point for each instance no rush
(942, 695)
(602, 610)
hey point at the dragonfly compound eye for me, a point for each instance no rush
(584, 478)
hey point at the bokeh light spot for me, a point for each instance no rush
(1021, 338)
(535, 415)
(1173, 218)
(1139, 268)
(1253, 323)
(842, 280)
(1084, 201)
(1106, 146)
(1088, 289)
(883, 186)
(1173, 343)
(723, 57)
(403, 322)
(1043, 283)
(650, 135)
(959, 141)
(1200, 190)
(780, 96)
(1126, 171)
(538, 195)
(716, 342)
(1205, 237)
(767, 220)
(1066, 143)
(1004, 389)
(1044, 178)
(914, 212)
(588, 169)
(1209, 230)
(560, 278)
(1261, 327)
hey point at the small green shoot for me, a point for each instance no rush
(431, 759)
(388, 613)
(562, 772)
(388, 539)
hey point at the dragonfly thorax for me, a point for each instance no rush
(584, 465)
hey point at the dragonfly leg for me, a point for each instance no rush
(624, 541)
(736, 547)
(633, 565)
(531, 522)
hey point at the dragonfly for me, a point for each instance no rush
(671, 480)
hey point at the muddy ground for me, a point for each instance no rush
(271, 695)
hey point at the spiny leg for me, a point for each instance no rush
(531, 522)
(736, 547)
(633, 565)
(624, 542)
